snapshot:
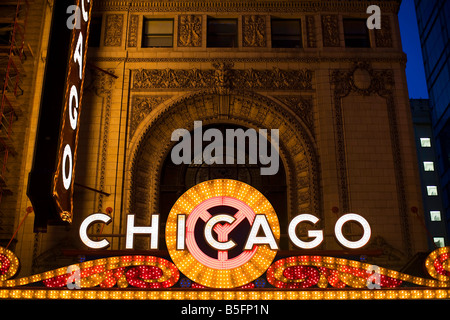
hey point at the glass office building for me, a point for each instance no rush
(434, 30)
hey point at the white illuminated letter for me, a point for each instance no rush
(73, 113)
(352, 244)
(268, 238)
(83, 10)
(85, 225)
(218, 245)
(151, 230)
(67, 155)
(316, 234)
(78, 54)
(181, 231)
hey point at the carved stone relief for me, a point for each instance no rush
(383, 36)
(330, 31)
(310, 32)
(223, 77)
(190, 30)
(133, 30)
(302, 106)
(113, 30)
(141, 106)
(254, 31)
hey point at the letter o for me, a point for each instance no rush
(67, 179)
(352, 244)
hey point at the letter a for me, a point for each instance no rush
(374, 21)
(268, 238)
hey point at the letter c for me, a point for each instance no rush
(85, 225)
(223, 246)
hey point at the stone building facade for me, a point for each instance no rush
(336, 93)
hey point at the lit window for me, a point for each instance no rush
(439, 242)
(425, 142)
(286, 33)
(356, 34)
(428, 165)
(432, 190)
(435, 215)
(158, 33)
(222, 33)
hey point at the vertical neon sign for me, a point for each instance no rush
(65, 170)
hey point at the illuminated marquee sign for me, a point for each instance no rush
(223, 234)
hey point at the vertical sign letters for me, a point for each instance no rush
(64, 175)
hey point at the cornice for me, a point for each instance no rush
(400, 58)
(245, 6)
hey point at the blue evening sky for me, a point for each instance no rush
(415, 73)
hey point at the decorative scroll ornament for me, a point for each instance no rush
(307, 271)
(147, 272)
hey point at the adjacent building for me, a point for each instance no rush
(435, 221)
(434, 32)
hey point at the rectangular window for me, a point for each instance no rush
(95, 32)
(286, 33)
(435, 216)
(222, 33)
(356, 34)
(157, 33)
(425, 142)
(432, 190)
(428, 165)
(439, 242)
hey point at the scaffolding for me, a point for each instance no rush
(13, 53)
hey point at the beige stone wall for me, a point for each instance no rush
(345, 128)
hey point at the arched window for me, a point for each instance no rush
(177, 178)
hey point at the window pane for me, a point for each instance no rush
(356, 33)
(428, 166)
(158, 27)
(425, 142)
(158, 33)
(435, 215)
(439, 242)
(157, 41)
(222, 33)
(432, 190)
(286, 27)
(286, 33)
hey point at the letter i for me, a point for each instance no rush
(181, 231)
